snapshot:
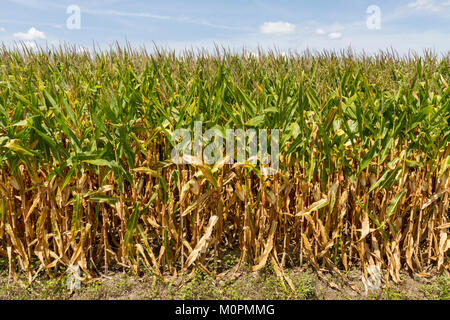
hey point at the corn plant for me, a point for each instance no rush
(86, 177)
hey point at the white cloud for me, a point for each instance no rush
(335, 35)
(277, 28)
(2, 29)
(161, 17)
(32, 34)
(320, 31)
(428, 5)
(356, 38)
(419, 7)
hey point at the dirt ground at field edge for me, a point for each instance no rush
(240, 285)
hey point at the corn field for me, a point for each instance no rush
(86, 177)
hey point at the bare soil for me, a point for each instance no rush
(231, 285)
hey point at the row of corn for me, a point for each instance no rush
(87, 179)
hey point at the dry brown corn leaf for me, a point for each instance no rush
(203, 242)
(267, 248)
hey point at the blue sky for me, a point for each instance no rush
(179, 24)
